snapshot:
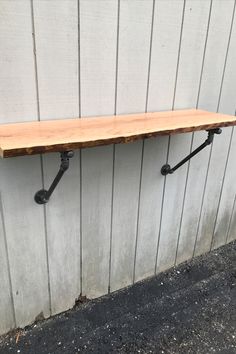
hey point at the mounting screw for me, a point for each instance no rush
(166, 169)
(67, 154)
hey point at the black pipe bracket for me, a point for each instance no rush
(166, 169)
(43, 195)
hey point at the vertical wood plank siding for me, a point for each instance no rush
(98, 34)
(133, 59)
(113, 219)
(56, 45)
(23, 222)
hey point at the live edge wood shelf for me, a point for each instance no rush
(63, 136)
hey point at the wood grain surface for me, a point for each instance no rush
(61, 135)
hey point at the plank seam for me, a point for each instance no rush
(204, 54)
(150, 55)
(79, 61)
(192, 139)
(81, 224)
(221, 190)
(138, 211)
(202, 201)
(41, 158)
(114, 147)
(35, 59)
(183, 204)
(226, 56)
(231, 135)
(143, 142)
(169, 138)
(8, 261)
(46, 240)
(111, 224)
(211, 147)
(80, 157)
(179, 53)
(230, 220)
(232, 130)
(117, 56)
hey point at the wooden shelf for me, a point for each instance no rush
(62, 135)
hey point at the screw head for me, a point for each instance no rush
(70, 153)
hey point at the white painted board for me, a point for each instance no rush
(188, 73)
(56, 39)
(218, 39)
(164, 53)
(98, 35)
(227, 105)
(20, 177)
(133, 62)
(7, 315)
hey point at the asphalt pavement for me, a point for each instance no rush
(189, 309)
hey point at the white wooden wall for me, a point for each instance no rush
(113, 219)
